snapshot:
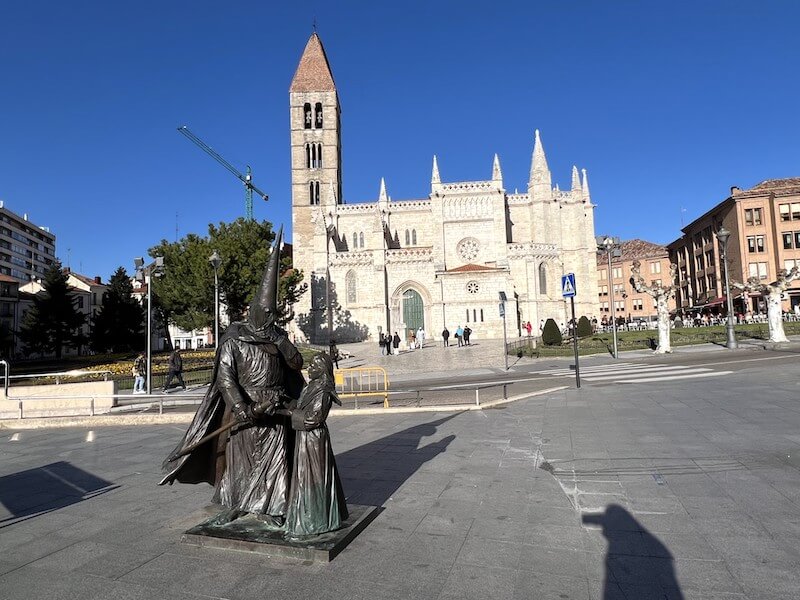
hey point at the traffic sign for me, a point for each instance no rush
(502, 309)
(568, 285)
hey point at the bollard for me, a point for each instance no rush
(477, 397)
(20, 409)
(91, 406)
(160, 405)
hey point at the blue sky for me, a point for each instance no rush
(665, 104)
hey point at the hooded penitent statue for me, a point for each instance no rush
(256, 373)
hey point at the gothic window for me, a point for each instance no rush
(318, 115)
(307, 115)
(542, 278)
(313, 192)
(319, 156)
(408, 237)
(355, 240)
(473, 287)
(313, 156)
(413, 237)
(468, 249)
(350, 287)
(361, 240)
(467, 315)
(308, 156)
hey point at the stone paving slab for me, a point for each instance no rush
(687, 493)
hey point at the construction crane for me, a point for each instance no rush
(247, 179)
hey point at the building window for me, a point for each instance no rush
(616, 272)
(308, 156)
(655, 267)
(700, 262)
(313, 192)
(619, 288)
(710, 258)
(787, 240)
(408, 237)
(604, 307)
(795, 211)
(789, 264)
(603, 275)
(319, 156)
(604, 290)
(758, 270)
(784, 211)
(712, 282)
(637, 304)
(755, 243)
(619, 305)
(797, 239)
(318, 115)
(473, 287)
(361, 240)
(752, 216)
(350, 287)
(413, 237)
(542, 278)
(355, 240)
(481, 315)
(467, 315)
(307, 115)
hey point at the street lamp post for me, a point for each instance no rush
(610, 245)
(216, 261)
(723, 235)
(145, 274)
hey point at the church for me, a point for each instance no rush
(443, 260)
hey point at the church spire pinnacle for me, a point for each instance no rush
(585, 187)
(435, 172)
(497, 174)
(539, 183)
(313, 72)
(383, 196)
(576, 180)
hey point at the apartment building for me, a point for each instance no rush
(764, 222)
(26, 250)
(620, 299)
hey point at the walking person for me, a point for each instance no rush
(421, 337)
(460, 336)
(467, 333)
(139, 372)
(382, 343)
(175, 369)
(396, 343)
(528, 328)
(446, 337)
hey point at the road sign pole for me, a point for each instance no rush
(575, 343)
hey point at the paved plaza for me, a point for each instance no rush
(674, 489)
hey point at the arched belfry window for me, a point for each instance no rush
(413, 237)
(313, 156)
(319, 156)
(313, 192)
(350, 287)
(318, 115)
(361, 240)
(308, 156)
(307, 119)
(355, 240)
(542, 278)
(408, 237)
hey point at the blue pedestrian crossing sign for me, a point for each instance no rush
(568, 285)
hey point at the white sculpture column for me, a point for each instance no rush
(661, 294)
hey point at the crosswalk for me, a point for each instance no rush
(636, 373)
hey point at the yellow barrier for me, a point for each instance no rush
(362, 381)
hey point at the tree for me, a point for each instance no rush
(773, 293)
(584, 327)
(118, 326)
(551, 335)
(661, 293)
(185, 292)
(53, 322)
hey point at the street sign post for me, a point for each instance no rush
(568, 291)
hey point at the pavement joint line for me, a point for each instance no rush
(116, 420)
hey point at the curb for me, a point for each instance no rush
(127, 420)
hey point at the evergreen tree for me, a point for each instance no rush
(118, 325)
(584, 327)
(551, 335)
(53, 322)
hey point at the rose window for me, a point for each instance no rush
(473, 287)
(468, 249)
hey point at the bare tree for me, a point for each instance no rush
(773, 292)
(661, 294)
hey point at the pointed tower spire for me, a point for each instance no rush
(435, 173)
(585, 187)
(576, 180)
(313, 73)
(539, 184)
(382, 196)
(497, 174)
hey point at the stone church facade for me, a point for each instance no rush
(429, 262)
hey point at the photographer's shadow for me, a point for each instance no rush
(637, 563)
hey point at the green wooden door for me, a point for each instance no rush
(413, 310)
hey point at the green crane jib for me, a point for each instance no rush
(247, 179)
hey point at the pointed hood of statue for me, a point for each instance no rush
(264, 307)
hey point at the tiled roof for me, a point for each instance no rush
(313, 73)
(770, 184)
(83, 278)
(633, 249)
(780, 187)
(469, 268)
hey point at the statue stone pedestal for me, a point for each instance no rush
(248, 534)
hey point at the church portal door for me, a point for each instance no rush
(413, 310)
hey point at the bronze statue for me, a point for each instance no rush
(316, 500)
(238, 442)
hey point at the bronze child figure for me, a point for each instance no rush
(316, 500)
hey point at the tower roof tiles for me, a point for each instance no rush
(313, 72)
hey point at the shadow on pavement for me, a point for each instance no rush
(30, 493)
(373, 472)
(638, 565)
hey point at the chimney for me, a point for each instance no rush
(734, 190)
(97, 280)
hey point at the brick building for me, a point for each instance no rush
(764, 222)
(621, 300)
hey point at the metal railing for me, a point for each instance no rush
(62, 375)
(476, 387)
(358, 382)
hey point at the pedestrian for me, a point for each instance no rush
(139, 372)
(174, 369)
(446, 337)
(467, 333)
(528, 328)
(396, 343)
(421, 337)
(412, 340)
(382, 343)
(460, 336)
(541, 326)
